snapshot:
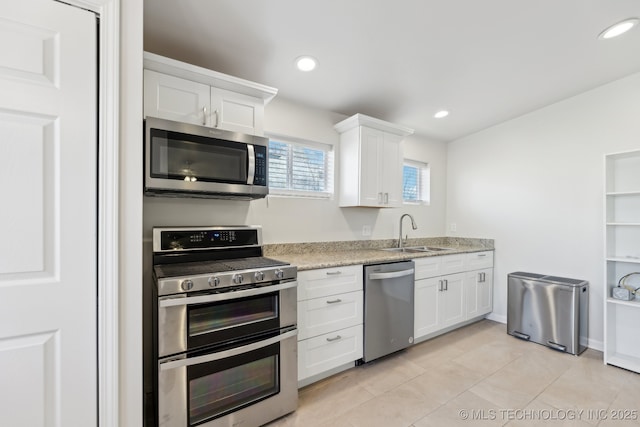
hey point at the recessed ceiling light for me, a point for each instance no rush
(440, 114)
(618, 29)
(306, 63)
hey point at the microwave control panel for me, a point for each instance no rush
(260, 177)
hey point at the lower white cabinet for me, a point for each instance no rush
(479, 292)
(450, 290)
(330, 307)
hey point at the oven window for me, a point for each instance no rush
(232, 314)
(220, 387)
(195, 158)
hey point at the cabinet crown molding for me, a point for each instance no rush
(198, 74)
(371, 122)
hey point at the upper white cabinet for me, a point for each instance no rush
(371, 156)
(622, 252)
(183, 92)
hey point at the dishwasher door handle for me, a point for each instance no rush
(391, 274)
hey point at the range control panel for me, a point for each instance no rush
(187, 238)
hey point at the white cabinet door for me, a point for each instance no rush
(391, 166)
(236, 112)
(174, 98)
(427, 306)
(452, 306)
(479, 292)
(48, 182)
(370, 162)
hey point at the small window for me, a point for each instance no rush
(300, 168)
(415, 182)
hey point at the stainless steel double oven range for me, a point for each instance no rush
(225, 323)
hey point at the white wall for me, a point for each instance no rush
(535, 185)
(288, 220)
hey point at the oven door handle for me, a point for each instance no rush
(180, 363)
(225, 296)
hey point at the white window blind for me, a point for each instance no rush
(416, 182)
(300, 168)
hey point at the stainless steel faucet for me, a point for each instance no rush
(413, 225)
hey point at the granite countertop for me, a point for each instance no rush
(309, 256)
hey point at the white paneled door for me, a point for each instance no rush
(48, 250)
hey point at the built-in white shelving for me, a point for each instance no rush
(622, 256)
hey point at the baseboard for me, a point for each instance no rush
(595, 344)
(497, 318)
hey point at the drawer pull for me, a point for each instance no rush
(333, 273)
(482, 255)
(336, 338)
(334, 301)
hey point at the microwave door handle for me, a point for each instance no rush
(251, 170)
(225, 296)
(227, 353)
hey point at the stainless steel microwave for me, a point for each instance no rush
(186, 160)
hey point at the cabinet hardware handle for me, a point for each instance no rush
(379, 198)
(386, 198)
(217, 118)
(334, 301)
(484, 277)
(333, 273)
(479, 277)
(482, 255)
(446, 285)
(204, 116)
(336, 338)
(440, 286)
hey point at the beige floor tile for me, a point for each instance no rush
(382, 375)
(488, 357)
(443, 383)
(540, 414)
(466, 410)
(399, 407)
(519, 382)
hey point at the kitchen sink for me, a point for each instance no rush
(414, 249)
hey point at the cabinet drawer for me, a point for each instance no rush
(325, 352)
(329, 281)
(427, 267)
(478, 260)
(322, 315)
(450, 264)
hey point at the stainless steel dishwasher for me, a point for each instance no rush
(388, 308)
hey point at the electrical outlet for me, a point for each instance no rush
(366, 230)
(453, 227)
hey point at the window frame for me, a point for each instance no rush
(423, 184)
(329, 167)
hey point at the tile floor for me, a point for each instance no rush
(474, 376)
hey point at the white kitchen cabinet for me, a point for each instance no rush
(450, 291)
(622, 257)
(327, 314)
(186, 93)
(371, 158)
(330, 317)
(478, 293)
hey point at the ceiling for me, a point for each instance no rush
(402, 60)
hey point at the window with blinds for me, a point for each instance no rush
(415, 182)
(300, 168)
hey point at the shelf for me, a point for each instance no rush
(623, 193)
(624, 361)
(632, 303)
(624, 259)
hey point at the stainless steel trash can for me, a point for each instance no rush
(548, 310)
